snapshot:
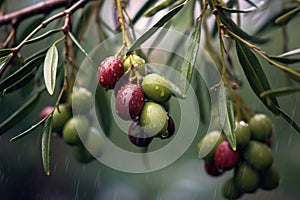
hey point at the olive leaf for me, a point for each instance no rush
(43, 36)
(283, 58)
(81, 48)
(154, 28)
(159, 6)
(27, 131)
(270, 22)
(286, 17)
(20, 83)
(280, 91)
(4, 60)
(203, 97)
(190, 56)
(46, 141)
(237, 30)
(226, 112)
(5, 52)
(248, 10)
(141, 11)
(255, 75)
(22, 112)
(50, 68)
(22, 72)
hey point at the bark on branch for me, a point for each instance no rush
(40, 8)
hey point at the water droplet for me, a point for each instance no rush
(101, 79)
(157, 87)
(162, 93)
(115, 75)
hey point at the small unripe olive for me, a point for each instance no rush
(208, 145)
(81, 100)
(243, 134)
(156, 88)
(230, 190)
(153, 119)
(269, 178)
(259, 155)
(138, 60)
(74, 129)
(60, 118)
(94, 142)
(261, 127)
(246, 178)
(81, 154)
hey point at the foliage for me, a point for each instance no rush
(17, 70)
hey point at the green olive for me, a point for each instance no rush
(60, 118)
(75, 129)
(230, 190)
(259, 155)
(156, 88)
(269, 178)
(81, 154)
(81, 100)
(261, 127)
(94, 142)
(243, 134)
(208, 145)
(246, 178)
(153, 119)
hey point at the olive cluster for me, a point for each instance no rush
(140, 102)
(252, 161)
(76, 129)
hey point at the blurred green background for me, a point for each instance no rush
(22, 176)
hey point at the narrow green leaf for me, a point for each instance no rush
(154, 28)
(190, 56)
(46, 141)
(158, 7)
(20, 83)
(30, 26)
(22, 112)
(280, 91)
(289, 119)
(22, 72)
(43, 36)
(103, 110)
(251, 3)
(84, 20)
(255, 75)
(237, 30)
(36, 54)
(24, 133)
(285, 60)
(4, 52)
(80, 47)
(286, 17)
(270, 22)
(4, 60)
(291, 53)
(203, 97)
(50, 68)
(248, 10)
(226, 112)
(145, 7)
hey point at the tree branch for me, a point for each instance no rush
(39, 8)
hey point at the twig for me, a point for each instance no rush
(66, 12)
(39, 8)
